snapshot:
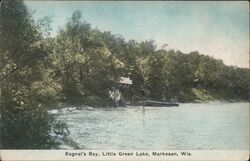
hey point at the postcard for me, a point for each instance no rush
(124, 80)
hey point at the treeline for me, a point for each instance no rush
(80, 65)
(88, 62)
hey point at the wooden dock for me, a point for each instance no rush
(156, 104)
(160, 104)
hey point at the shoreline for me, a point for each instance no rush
(72, 108)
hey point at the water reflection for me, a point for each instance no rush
(143, 114)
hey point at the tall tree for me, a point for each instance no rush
(27, 88)
(87, 68)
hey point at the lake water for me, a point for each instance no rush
(190, 126)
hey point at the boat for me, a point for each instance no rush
(160, 104)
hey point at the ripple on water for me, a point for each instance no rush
(190, 126)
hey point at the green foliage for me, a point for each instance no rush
(85, 65)
(27, 81)
(151, 69)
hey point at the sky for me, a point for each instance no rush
(218, 29)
